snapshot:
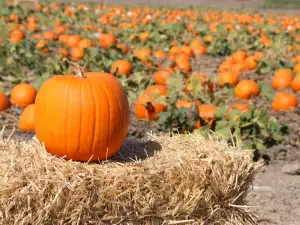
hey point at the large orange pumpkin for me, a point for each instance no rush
(83, 117)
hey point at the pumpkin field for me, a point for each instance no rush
(80, 76)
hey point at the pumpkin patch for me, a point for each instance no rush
(183, 70)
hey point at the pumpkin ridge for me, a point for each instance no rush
(50, 106)
(66, 116)
(109, 116)
(79, 135)
(95, 117)
(119, 107)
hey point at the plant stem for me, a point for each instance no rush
(77, 68)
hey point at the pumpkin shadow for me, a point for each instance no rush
(136, 150)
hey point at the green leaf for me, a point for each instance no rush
(221, 112)
(266, 90)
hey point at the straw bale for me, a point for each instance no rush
(182, 179)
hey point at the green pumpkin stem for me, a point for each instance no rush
(77, 68)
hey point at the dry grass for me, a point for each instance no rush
(181, 180)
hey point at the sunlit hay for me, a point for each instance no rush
(182, 179)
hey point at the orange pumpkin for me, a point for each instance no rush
(23, 95)
(107, 40)
(85, 43)
(296, 83)
(296, 68)
(142, 54)
(156, 89)
(183, 104)
(71, 40)
(76, 53)
(27, 122)
(284, 101)
(4, 102)
(246, 88)
(121, 67)
(146, 108)
(239, 56)
(161, 76)
(282, 79)
(83, 116)
(228, 77)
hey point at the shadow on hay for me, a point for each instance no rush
(136, 150)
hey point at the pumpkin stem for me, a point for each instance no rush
(78, 69)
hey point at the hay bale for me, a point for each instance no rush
(182, 179)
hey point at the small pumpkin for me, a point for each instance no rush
(146, 108)
(4, 102)
(76, 53)
(82, 117)
(71, 40)
(282, 79)
(239, 56)
(246, 88)
(228, 77)
(284, 101)
(23, 95)
(121, 67)
(296, 83)
(27, 121)
(107, 40)
(161, 76)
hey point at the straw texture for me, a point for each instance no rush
(182, 179)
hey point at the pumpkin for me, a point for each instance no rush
(83, 116)
(161, 76)
(160, 54)
(156, 89)
(296, 68)
(246, 88)
(49, 35)
(183, 104)
(23, 95)
(282, 79)
(296, 83)
(4, 102)
(146, 108)
(26, 121)
(121, 67)
(239, 56)
(228, 77)
(207, 114)
(71, 40)
(107, 40)
(76, 53)
(85, 43)
(243, 108)
(251, 63)
(284, 101)
(142, 54)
